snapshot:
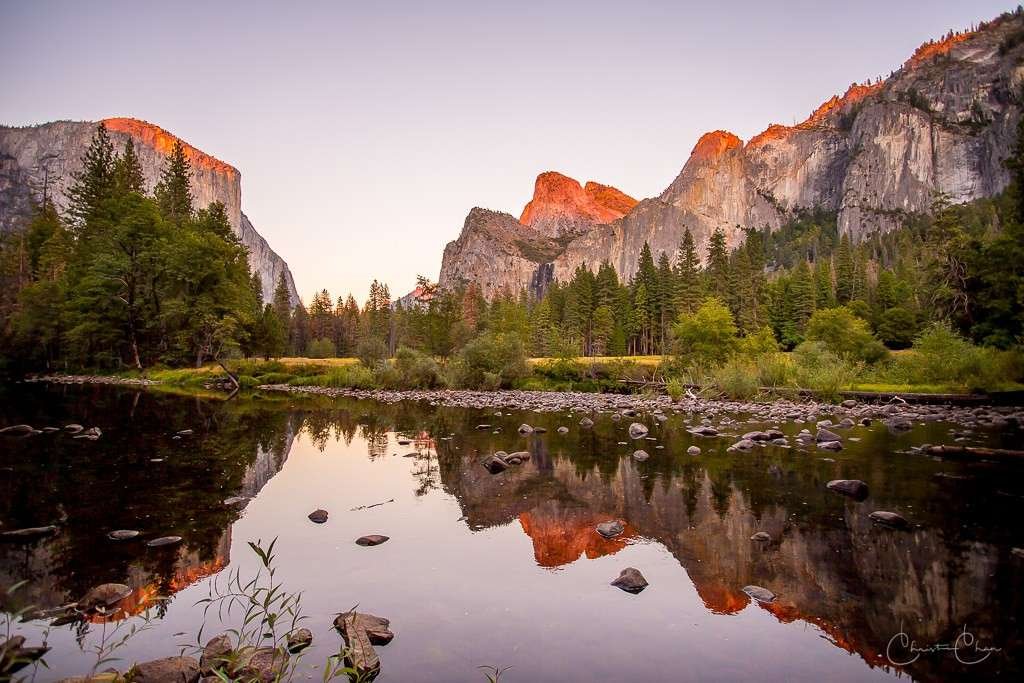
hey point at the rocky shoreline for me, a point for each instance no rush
(896, 415)
(92, 379)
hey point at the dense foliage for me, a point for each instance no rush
(126, 279)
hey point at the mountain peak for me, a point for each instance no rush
(560, 204)
(714, 144)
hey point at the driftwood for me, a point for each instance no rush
(374, 505)
(974, 451)
(362, 632)
(231, 375)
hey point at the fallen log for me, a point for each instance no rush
(974, 451)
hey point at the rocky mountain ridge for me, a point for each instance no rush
(941, 124)
(32, 157)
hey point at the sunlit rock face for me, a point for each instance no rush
(941, 124)
(45, 157)
(560, 206)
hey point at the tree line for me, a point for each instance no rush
(130, 279)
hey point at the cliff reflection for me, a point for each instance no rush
(141, 475)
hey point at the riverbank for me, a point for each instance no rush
(895, 413)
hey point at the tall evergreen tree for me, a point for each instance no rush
(174, 189)
(688, 282)
(128, 171)
(93, 186)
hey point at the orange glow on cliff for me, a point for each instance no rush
(935, 48)
(555, 194)
(159, 139)
(854, 94)
(714, 144)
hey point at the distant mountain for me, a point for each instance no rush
(49, 154)
(940, 124)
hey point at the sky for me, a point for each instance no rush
(365, 131)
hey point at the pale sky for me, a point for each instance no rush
(365, 131)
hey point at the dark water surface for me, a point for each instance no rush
(507, 569)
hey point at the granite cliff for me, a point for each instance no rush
(48, 154)
(940, 124)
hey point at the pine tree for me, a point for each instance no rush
(282, 300)
(128, 171)
(666, 300)
(688, 284)
(824, 292)
(93, 186)
(174, 190)
(718, 266)
(845, 272)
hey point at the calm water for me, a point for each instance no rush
(508, 570)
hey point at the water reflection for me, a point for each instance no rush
(857, 585)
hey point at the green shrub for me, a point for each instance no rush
(737, 379)
(676, 389)
(560, 369)
(822, 371)
(490, 361)
(707, 336)
(416, 370)
(321, 348)
(345, 377)
(941, 356)
(774, 370)
(845, 335)
(275, 377)
(758, 343)
(371, 351)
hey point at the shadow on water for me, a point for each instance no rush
(855, 583)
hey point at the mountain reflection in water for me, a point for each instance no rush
(839, 577)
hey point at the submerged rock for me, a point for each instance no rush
(28, 533)
(17, 430)
(637, 430)
(299, 640)
(854, 488)
(611, 529)
(760, 594)
(889, 519)
(830, 445)
(563, 430)
(761, 537)
(741, 445)
(630, 580)
(586, 423)
(825, 436)
(494, 464)
(318, 516)
(177, 669)
(525, 429)
(641, 455)
(371, 540)
(263, 664)
(693, 450)
(122, 534)
(216, 654)
(164, 540)
(103, 596)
